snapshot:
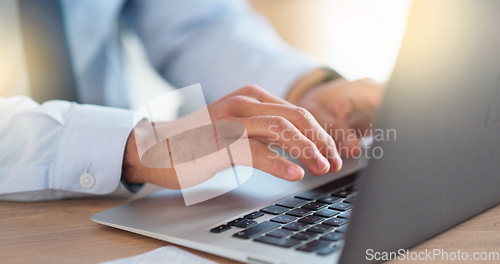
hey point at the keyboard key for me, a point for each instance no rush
(353, 187)
(311, 219)
(220, 229)
(327, 251)
(312, 194)
(315, 206)
(246, 224)
(329, 199)
(299, 212)
(274, 209)
(320, 229)
(253, 215)
(341, 229)
(296, 226)
(324, 190)
(313, 245)
(292, 202)
(256, 230)
(284, 219)
(345, 215)
(344, 193)
(236, 221)
(335, 222)
(350, 200)
(280, 242)
(326, 213)
(333, 236)
(340, 206)
(304, 235)
(280, 233)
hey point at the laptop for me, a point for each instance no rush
(442, 168)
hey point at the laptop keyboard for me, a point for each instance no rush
(314, 221)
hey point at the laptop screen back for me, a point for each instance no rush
(443, 101)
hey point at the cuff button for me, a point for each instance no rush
(87, 180)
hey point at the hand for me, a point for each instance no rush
(345, 109)
(268, 120)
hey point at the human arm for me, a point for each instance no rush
(223, 45)
(345, 109)
(268, 121)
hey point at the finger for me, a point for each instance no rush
(266, 160)
(301, 119)
(341, 107)
(283, 133)
(347, 142)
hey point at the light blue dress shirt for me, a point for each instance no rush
(61, 149)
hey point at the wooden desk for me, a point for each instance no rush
(62, 232)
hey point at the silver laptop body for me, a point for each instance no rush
(443, 168)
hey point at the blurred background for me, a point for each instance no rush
(358, 38)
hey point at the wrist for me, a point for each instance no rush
(311, 80)
(131, 163)
(136, 173)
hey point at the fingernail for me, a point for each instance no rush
(294, 172)
(322, 164)
(336, 164)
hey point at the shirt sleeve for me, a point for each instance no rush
(60, 149)
(222, 44)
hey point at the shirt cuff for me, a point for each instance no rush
(90, 154)
(133, 188)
